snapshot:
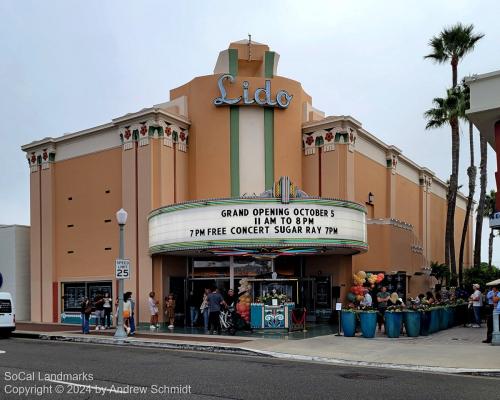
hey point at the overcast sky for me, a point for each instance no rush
(70, 65)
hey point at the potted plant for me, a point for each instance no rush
(393, 318)
(450, 309)
(434, 323)
(411, 319)
(443, 318)
(349, 322)
(368, 320)
(425, 319)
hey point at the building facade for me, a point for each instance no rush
(484, 112)
(195, 172)
(15, 267)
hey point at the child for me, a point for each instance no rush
(170, 310)
(153, 310)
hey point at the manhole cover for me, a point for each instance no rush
(370, 377)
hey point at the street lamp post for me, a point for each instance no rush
(121, 218)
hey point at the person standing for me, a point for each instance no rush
(382, 299)
(231, 299)
(170, 310)
(127, 312)
(86, 310)
(367, 299)
(107, 310)
(492, 299)
(99, 311)
(153, 310)
(477, 304)
(132, 313)
(117, 303)
(215, 301)
(193, 309)
(204, 309)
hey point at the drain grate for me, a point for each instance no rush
(369, 377)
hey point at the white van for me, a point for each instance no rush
(7, 314)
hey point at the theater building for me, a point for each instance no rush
(237, 176)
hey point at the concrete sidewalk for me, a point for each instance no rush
(456, 350)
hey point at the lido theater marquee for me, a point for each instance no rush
(278, 222)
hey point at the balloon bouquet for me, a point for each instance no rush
(360, 278)
(243, 306)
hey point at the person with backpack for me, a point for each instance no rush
(86, 310)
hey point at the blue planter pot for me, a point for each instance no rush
(425, 322)
(349, 323)
(368, 323)
(393, 322)
(434, 324)
(411, 320)
(451, 316)
(443, 319)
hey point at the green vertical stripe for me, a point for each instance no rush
(269, 64)
(269, 146)
(233, 61)
(269, 126)
(234, 127)
(234, 118)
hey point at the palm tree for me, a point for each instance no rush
(489, 209)
(451, 45)
(471, 173)
(483, 145)
(447, 111)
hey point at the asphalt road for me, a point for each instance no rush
(101, 371)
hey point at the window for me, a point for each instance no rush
(74, 292)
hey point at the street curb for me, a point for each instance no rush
(254, 352)
(372, 364)
(138, 343)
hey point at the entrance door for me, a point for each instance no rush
(178, 289)
(307, 295)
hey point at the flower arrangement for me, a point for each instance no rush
(267, 298)
(367, 308)
(395, 308)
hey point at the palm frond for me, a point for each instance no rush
(453, 42)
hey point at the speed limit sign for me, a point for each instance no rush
(122, 269)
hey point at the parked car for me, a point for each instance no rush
(7, 314)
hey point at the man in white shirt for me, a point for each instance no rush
(477, 304)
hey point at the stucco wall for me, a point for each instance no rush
(15, 267)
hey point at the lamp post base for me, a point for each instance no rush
(120, 333)
(495, 337)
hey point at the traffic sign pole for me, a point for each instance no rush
(120, 333)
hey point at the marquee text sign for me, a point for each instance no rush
(261, 96)
(258, 223)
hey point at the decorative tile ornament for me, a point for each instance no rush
(392, 161)
(326, 139)
(425, 182)
(42, 157)
(143, 131)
